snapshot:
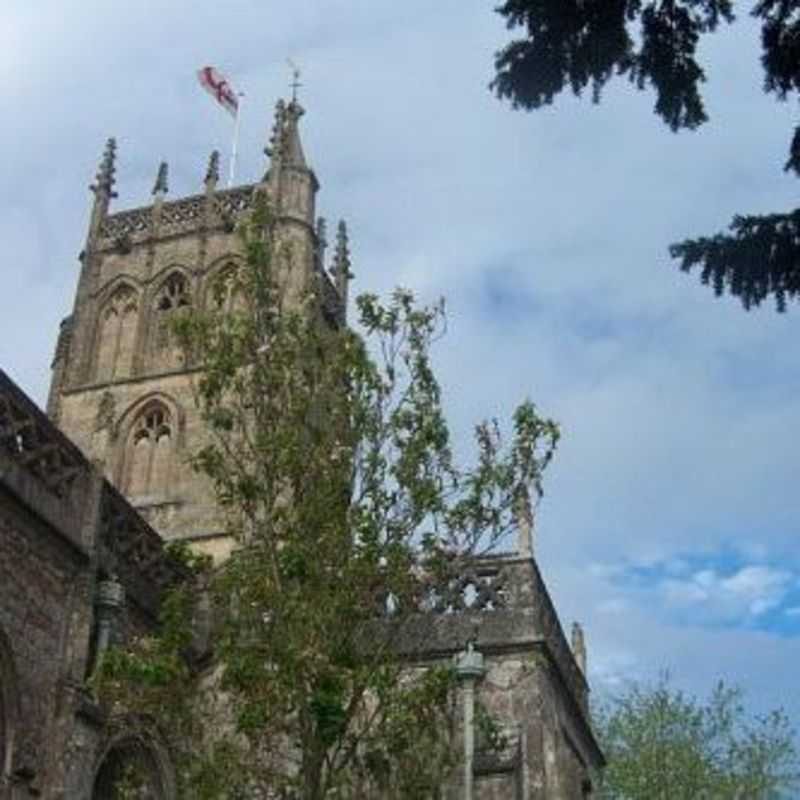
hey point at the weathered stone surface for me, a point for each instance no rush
(57, 538)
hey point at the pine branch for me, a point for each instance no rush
(760, 258)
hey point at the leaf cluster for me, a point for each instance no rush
(661, 742)
(579, 43)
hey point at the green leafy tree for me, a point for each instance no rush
(575, 44)
(329, 455)
(662, 743)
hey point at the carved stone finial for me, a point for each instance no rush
(341, 264)
(161, 179)
(294, 110)
(579, 646)
(212, 173)
(292, 146)
(294, 84)
(276, 139)
(523, 515)
(341, 259)
(104, 182)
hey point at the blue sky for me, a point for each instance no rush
(670, 525)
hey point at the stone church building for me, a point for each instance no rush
(89, 492)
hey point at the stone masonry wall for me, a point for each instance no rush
(62, 528)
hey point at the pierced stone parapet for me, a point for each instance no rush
(503, 600)
(475, 588)
(31, 441)
(132, 223)
(184, 215)
(177, 217)
(234, 201)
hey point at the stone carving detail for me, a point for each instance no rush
(234, 201)
(474, 589)
(126, 223)
(29, 439)
(181, 216)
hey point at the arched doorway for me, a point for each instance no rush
(132, 769)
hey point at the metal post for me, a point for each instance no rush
(469, 669)
(235, 145)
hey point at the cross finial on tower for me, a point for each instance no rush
(161, 179)
(294, 83)
(105, 174)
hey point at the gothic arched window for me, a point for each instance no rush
(116, 341)
(174, 293)
(172, 298)
(150, 446)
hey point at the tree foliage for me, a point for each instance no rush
(662, 743)
(330, 458)
(575, 44)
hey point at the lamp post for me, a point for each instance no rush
(469, 670)
(109, 602)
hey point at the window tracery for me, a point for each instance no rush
(173, 298)
(116, 341)
(174, 293)
(149, 453)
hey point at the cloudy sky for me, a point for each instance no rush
(670, 526)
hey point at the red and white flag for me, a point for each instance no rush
(218, 87)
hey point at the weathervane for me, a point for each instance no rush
(295, 81)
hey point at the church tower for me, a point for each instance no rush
(120, 387)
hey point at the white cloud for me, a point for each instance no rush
(747, 593)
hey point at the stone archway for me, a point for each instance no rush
(132, 768)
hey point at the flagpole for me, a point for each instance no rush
(235, 145)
